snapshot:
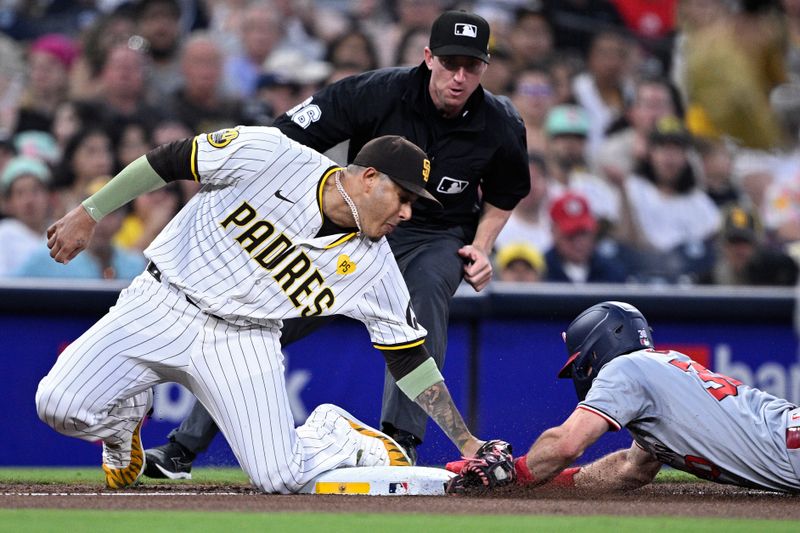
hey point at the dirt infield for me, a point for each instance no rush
(665, 499)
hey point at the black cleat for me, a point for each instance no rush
(408, 441)
(171, 461)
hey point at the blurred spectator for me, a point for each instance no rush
(12, 85)
(531, 39)
(259, 35)
(149, 214)
(605, 88)
(530, 220)
(38, 144)
(574, 256)
(355, 48)
(158, 22)
(576, 22)
(7, 152)
(692, 17)
(199, 102)
(123, 89)
(567, 127)
(625, 147)
(170, 130)
(409, 49)
(564, 67)
(24, 182)
(716, 163)
(50, 58)
(409, 14)
(744, 259)
(791, 9)
(499, 77)
(131, 139)
(101, 259)
(520, 262)
(72, 116)
(647, 19)
(732, 65)
(275, 95)
(89, 154)
(307, 26)
(665, 213)
(754, 174)
(653, 24)
(533, 95)
(114, 28)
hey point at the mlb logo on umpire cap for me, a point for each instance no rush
(466, 30)
(458, 33)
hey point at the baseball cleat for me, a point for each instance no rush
(169, 461)
(378, 444)
(121, 471)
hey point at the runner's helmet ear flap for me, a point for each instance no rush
(598, 335)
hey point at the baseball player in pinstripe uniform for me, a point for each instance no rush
(678, 412)
(479, 171)
(277, 231)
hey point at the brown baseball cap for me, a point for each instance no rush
(400, 159)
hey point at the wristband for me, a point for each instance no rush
(524, 476)
(566, 478)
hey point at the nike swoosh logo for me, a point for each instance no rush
(279, 196)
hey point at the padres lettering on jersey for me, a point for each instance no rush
(259, 216)
(296, 277)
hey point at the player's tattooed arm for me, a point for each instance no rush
(438, 404)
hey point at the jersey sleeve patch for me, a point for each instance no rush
(615, 426)
(222, 138)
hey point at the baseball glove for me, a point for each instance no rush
(492, 467)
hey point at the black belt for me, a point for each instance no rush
(153, 270)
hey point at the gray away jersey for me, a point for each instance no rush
(695, 420)
(244, 248)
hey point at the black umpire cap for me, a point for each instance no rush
(458, 33)
(400, 159)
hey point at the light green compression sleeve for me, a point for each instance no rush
(135, 179)
(423, 377)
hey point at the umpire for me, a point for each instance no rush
(479, 171)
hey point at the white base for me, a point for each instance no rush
(381, 481)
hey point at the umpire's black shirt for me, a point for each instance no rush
(479, 155)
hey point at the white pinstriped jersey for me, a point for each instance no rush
(245, 247)
(698, 421)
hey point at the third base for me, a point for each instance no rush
(381, 481)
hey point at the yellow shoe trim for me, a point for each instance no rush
(121, 478)
(397, 457)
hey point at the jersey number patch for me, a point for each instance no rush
(305, 114)
(717, 385)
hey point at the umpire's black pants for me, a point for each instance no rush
(432, 268)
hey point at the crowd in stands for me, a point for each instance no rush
(663, 136)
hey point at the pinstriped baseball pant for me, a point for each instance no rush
(98, 387)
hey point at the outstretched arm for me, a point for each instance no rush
(558, 447)
(71, 234)
(621, 470)
(437, 402)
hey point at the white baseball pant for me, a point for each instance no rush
(98, 387)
